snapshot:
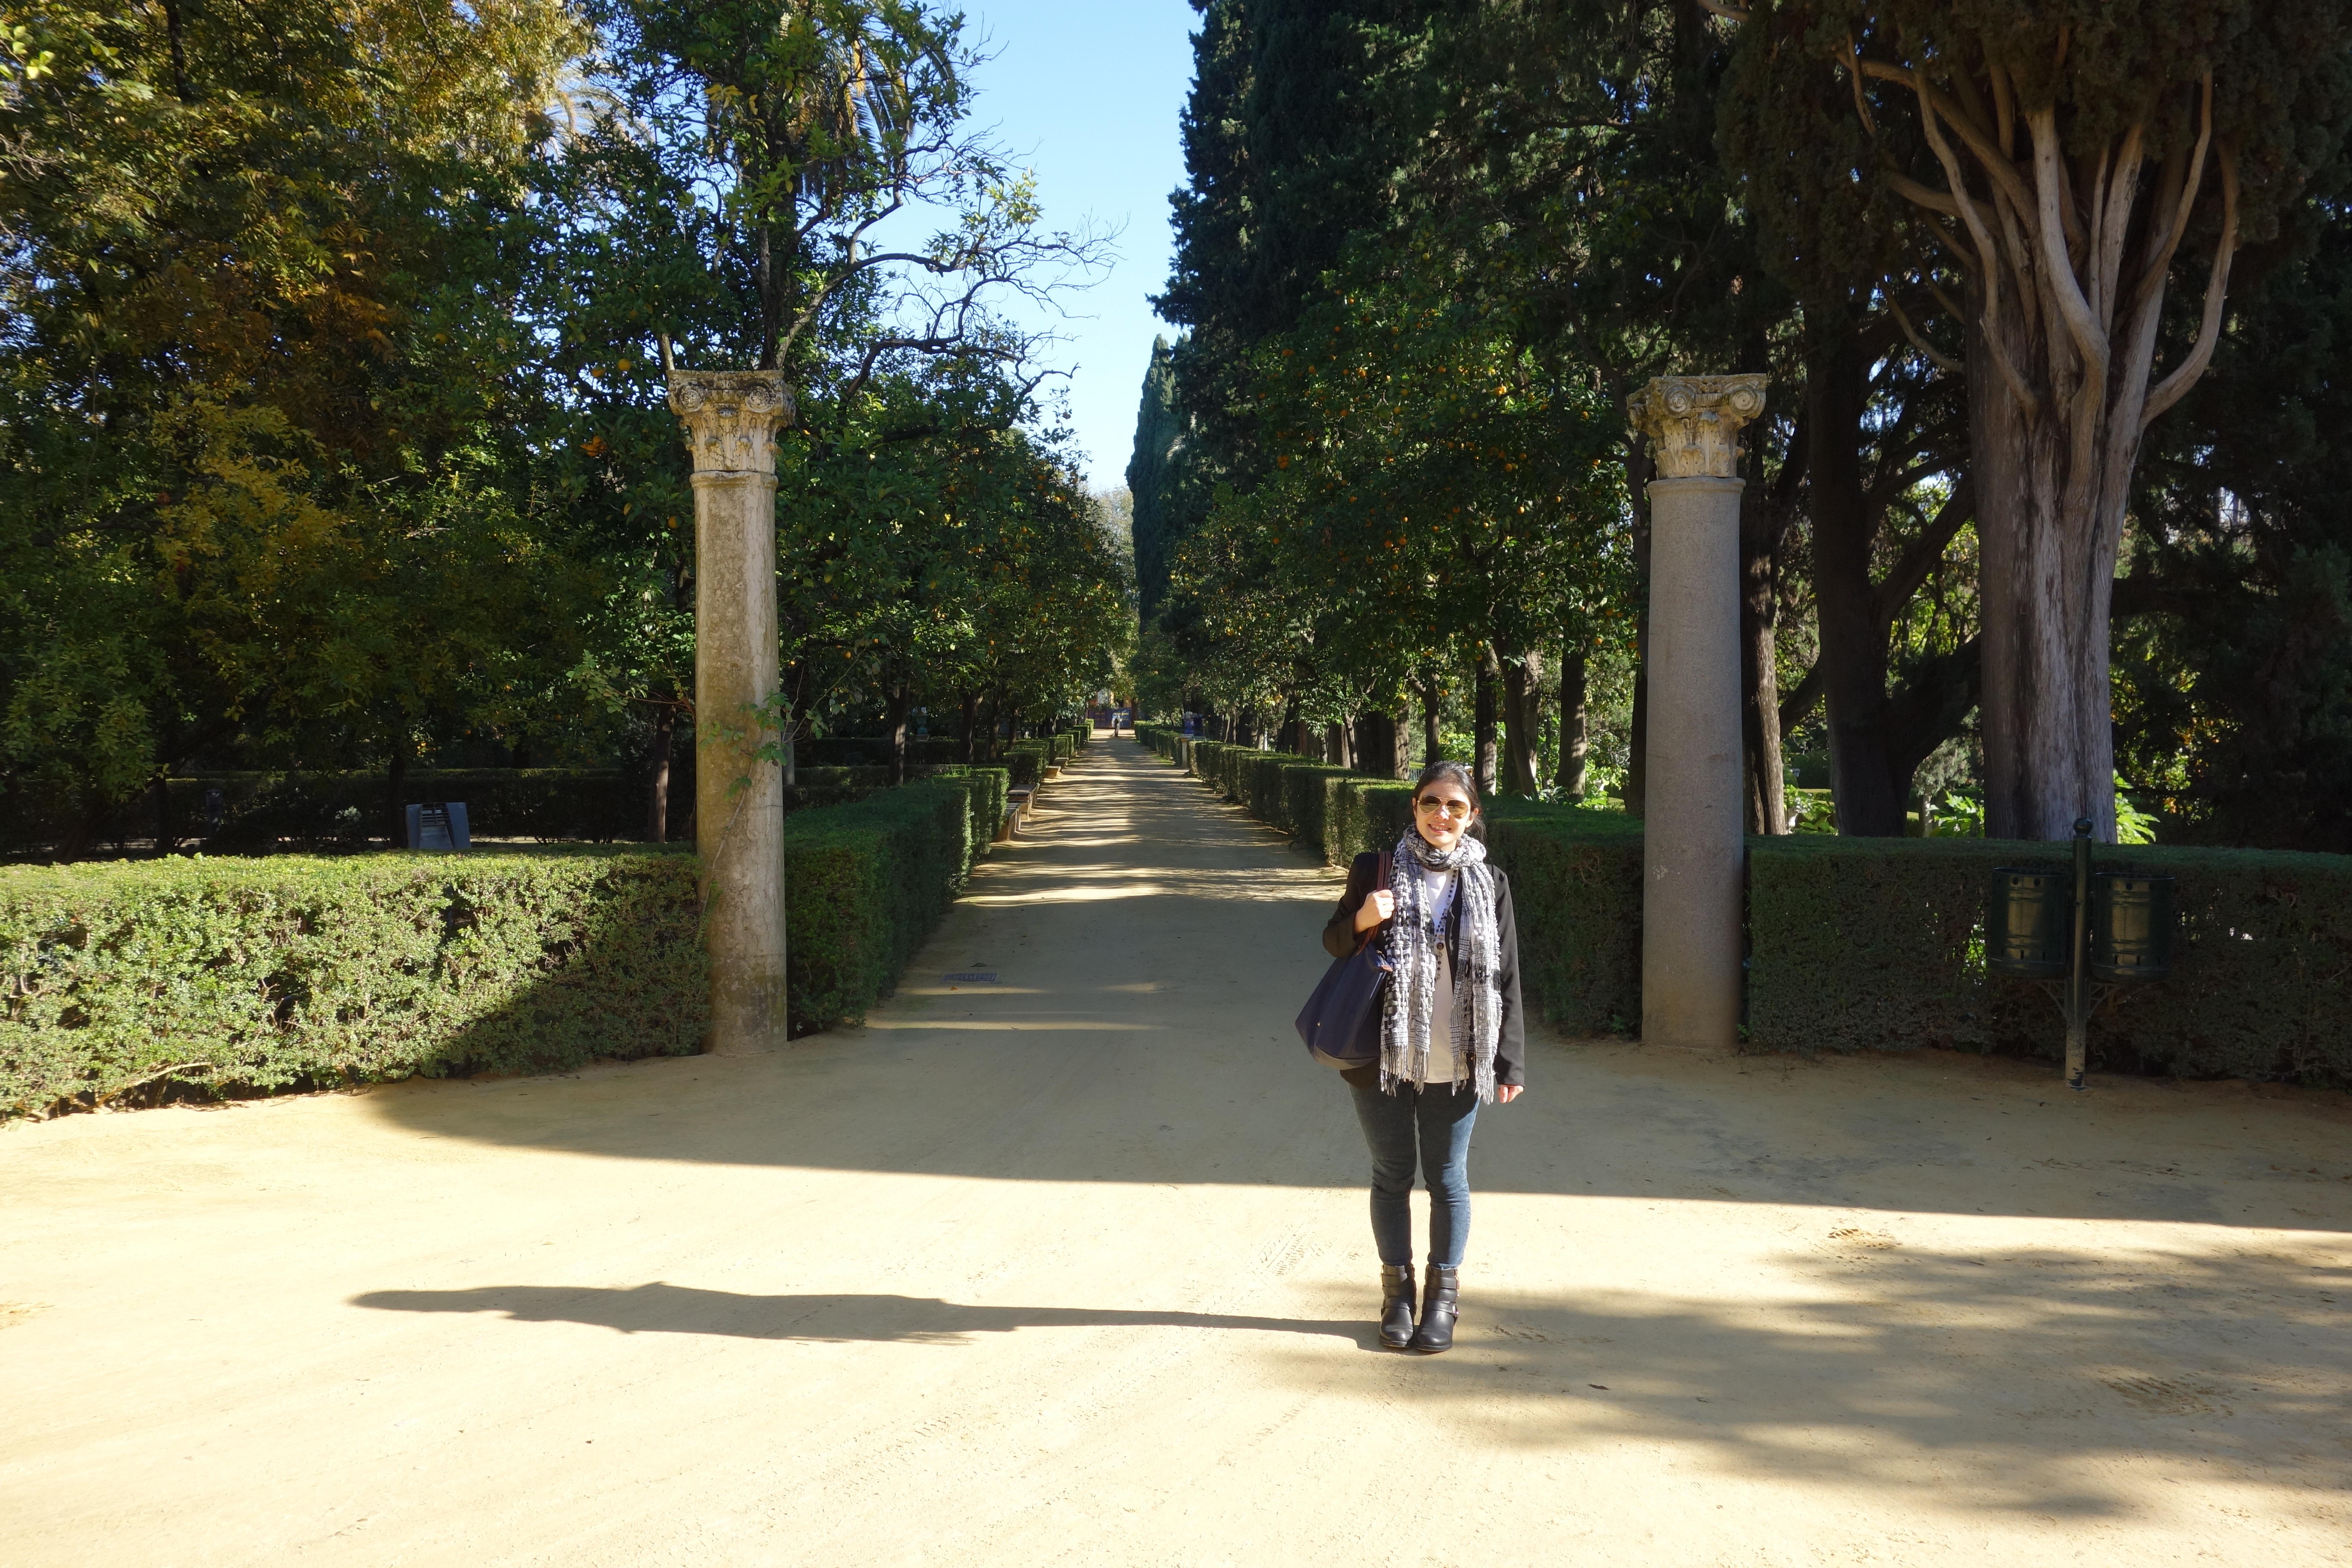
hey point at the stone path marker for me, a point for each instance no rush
(731, 418)
(1693, 822)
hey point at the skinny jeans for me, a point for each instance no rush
(1431, 1124)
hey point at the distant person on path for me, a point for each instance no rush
(1450, 1036)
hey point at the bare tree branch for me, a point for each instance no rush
(2058, 278)
(2174, 387)
(1940, 361)
(2026, 401)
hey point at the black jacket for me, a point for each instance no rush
(1340, 938)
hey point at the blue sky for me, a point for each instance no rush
(1086, 93)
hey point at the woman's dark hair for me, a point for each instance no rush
(1447, 768)
(1454, 773)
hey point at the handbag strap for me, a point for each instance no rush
(1381, 878)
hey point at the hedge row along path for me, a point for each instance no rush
(1072, 1268)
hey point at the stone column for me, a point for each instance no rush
(731, 418)
(1694, 821)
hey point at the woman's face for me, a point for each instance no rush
(1443, 812)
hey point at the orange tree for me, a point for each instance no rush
(257, 411)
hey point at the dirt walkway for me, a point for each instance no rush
(1072, 1269)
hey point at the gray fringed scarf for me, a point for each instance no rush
(1407, 1032)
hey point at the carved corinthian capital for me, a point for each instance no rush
(731, 418)
(1693, 422)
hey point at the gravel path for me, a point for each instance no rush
(1072, 1269)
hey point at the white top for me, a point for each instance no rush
(1445, 1063)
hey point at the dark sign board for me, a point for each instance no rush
(440, 826)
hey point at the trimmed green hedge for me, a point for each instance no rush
(1576, 882)
(865, 884)
(232, 977)
(1867, 942)
(1027, 760)
(323, 812)
(223, 977)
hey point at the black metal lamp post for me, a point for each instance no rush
(2116, 929)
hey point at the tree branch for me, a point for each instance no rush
(1919, 557)
(1903, 321)
(2026, 401)
(2115, 223)
(2174, 387)
(2064, 288)
(1800, 702)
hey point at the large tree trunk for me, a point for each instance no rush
(1293, 737)
(897, 703)
(969, 705)
(1760, 605)
(165, 840)
(1382, 744)
(1575, 734)
(1484, 683)
(657, 757)
(2047, 581)
(1432, 723)
(1336, 750)
(1522, 689)
(1854, 639)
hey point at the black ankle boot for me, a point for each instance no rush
(1438, 1308)
(1396, 1306)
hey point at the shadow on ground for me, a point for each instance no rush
(664, 1308)
(2025, 1375)
(2025, 1371)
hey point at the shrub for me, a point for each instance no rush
(987, 788)
(1576, 884)
(1872, 942)
(232, 977)
(1025, 760)
(865, 884)
(1369, 814)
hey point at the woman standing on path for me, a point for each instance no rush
(1450, 1036)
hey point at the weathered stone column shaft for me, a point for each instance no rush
(1693, 822)
(730, 419)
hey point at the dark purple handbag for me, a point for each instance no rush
(1341, 1022)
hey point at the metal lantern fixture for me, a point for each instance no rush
(2082, 936)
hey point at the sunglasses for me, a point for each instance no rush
(1459, 810)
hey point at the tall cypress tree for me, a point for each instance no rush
(1287, 155)
(1158, 436)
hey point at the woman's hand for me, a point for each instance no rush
(1507, 1092)
(1379, 905)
